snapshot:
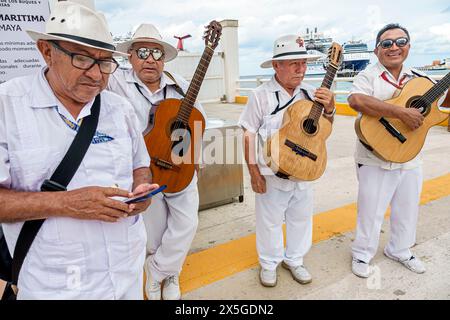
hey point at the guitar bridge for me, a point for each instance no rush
(392, 130)
(164, 164)
(300, 150)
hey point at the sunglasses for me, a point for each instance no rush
(144, 53)
(388, 43)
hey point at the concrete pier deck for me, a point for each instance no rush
(222, 263)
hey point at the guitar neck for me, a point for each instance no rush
(327, 82)
(196, 82)
(437, 90)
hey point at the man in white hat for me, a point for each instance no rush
(90, 246)
(277, 197)
(173, 220)
(383, 183)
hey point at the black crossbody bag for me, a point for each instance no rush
(10, 267)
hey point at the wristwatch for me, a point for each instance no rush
(329, 115)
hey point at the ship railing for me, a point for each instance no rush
(256, 82)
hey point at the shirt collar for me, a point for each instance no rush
(43, 97)
(132, 77)
(274, 86)
(405, 71)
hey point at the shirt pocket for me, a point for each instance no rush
(29, 168)
(128, 255)
(57, 265)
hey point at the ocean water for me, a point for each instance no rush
(341, 86)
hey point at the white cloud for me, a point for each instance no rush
(261, 22)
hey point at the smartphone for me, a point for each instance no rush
(146, 196)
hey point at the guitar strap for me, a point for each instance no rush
(400, 83)
(280, 174)
(175, 86)
(277, 95)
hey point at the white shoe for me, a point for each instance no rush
(360, 268)
(152, 287)
(171, 289)
(413, 263)
(300, 274)
(268, 278)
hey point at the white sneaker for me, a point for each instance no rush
(268, 278)
(171, 289)
(152, 287)
(413, 263)
(360, 268)
(300, 274)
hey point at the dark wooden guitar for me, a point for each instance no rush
(174, 143)
(298, 149)
(390, 139)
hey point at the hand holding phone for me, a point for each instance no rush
(145, 196)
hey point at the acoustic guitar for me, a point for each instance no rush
(298, 148)
(390, 139)
(174, 142)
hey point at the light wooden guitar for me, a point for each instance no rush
(390, 139)
(298, 149)
(174, 143)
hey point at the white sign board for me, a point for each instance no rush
(18, 53)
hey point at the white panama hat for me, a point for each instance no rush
(78, 22)
(289, 47)
(147, 32)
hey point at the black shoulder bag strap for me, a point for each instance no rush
(58, 182)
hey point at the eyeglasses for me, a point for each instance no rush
(388, 43)
(144, 53)
(83, 62)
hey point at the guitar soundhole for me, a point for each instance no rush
(419, 104)
(309, 126)
(180, 134)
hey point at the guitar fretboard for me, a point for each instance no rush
(437, 90)
(194, 88)
(316, 110)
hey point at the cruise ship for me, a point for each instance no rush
(317, 41)
(356, 57)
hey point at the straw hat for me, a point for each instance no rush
(287, 48)
(147, 32)
(78, 22)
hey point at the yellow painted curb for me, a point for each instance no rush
(241, 99)
(219, 262)
(344, 109)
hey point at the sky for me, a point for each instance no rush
(262, 21)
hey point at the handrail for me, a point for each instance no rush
(260, 80)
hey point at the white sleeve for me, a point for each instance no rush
(251, 117)
(362, 84)
(5, 177)
(140, 154)
(442, 107)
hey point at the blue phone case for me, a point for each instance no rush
(147, 196)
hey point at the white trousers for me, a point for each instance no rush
(171, 222)
(272, 208)
(377, 189)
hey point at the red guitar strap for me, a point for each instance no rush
(399, 85)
